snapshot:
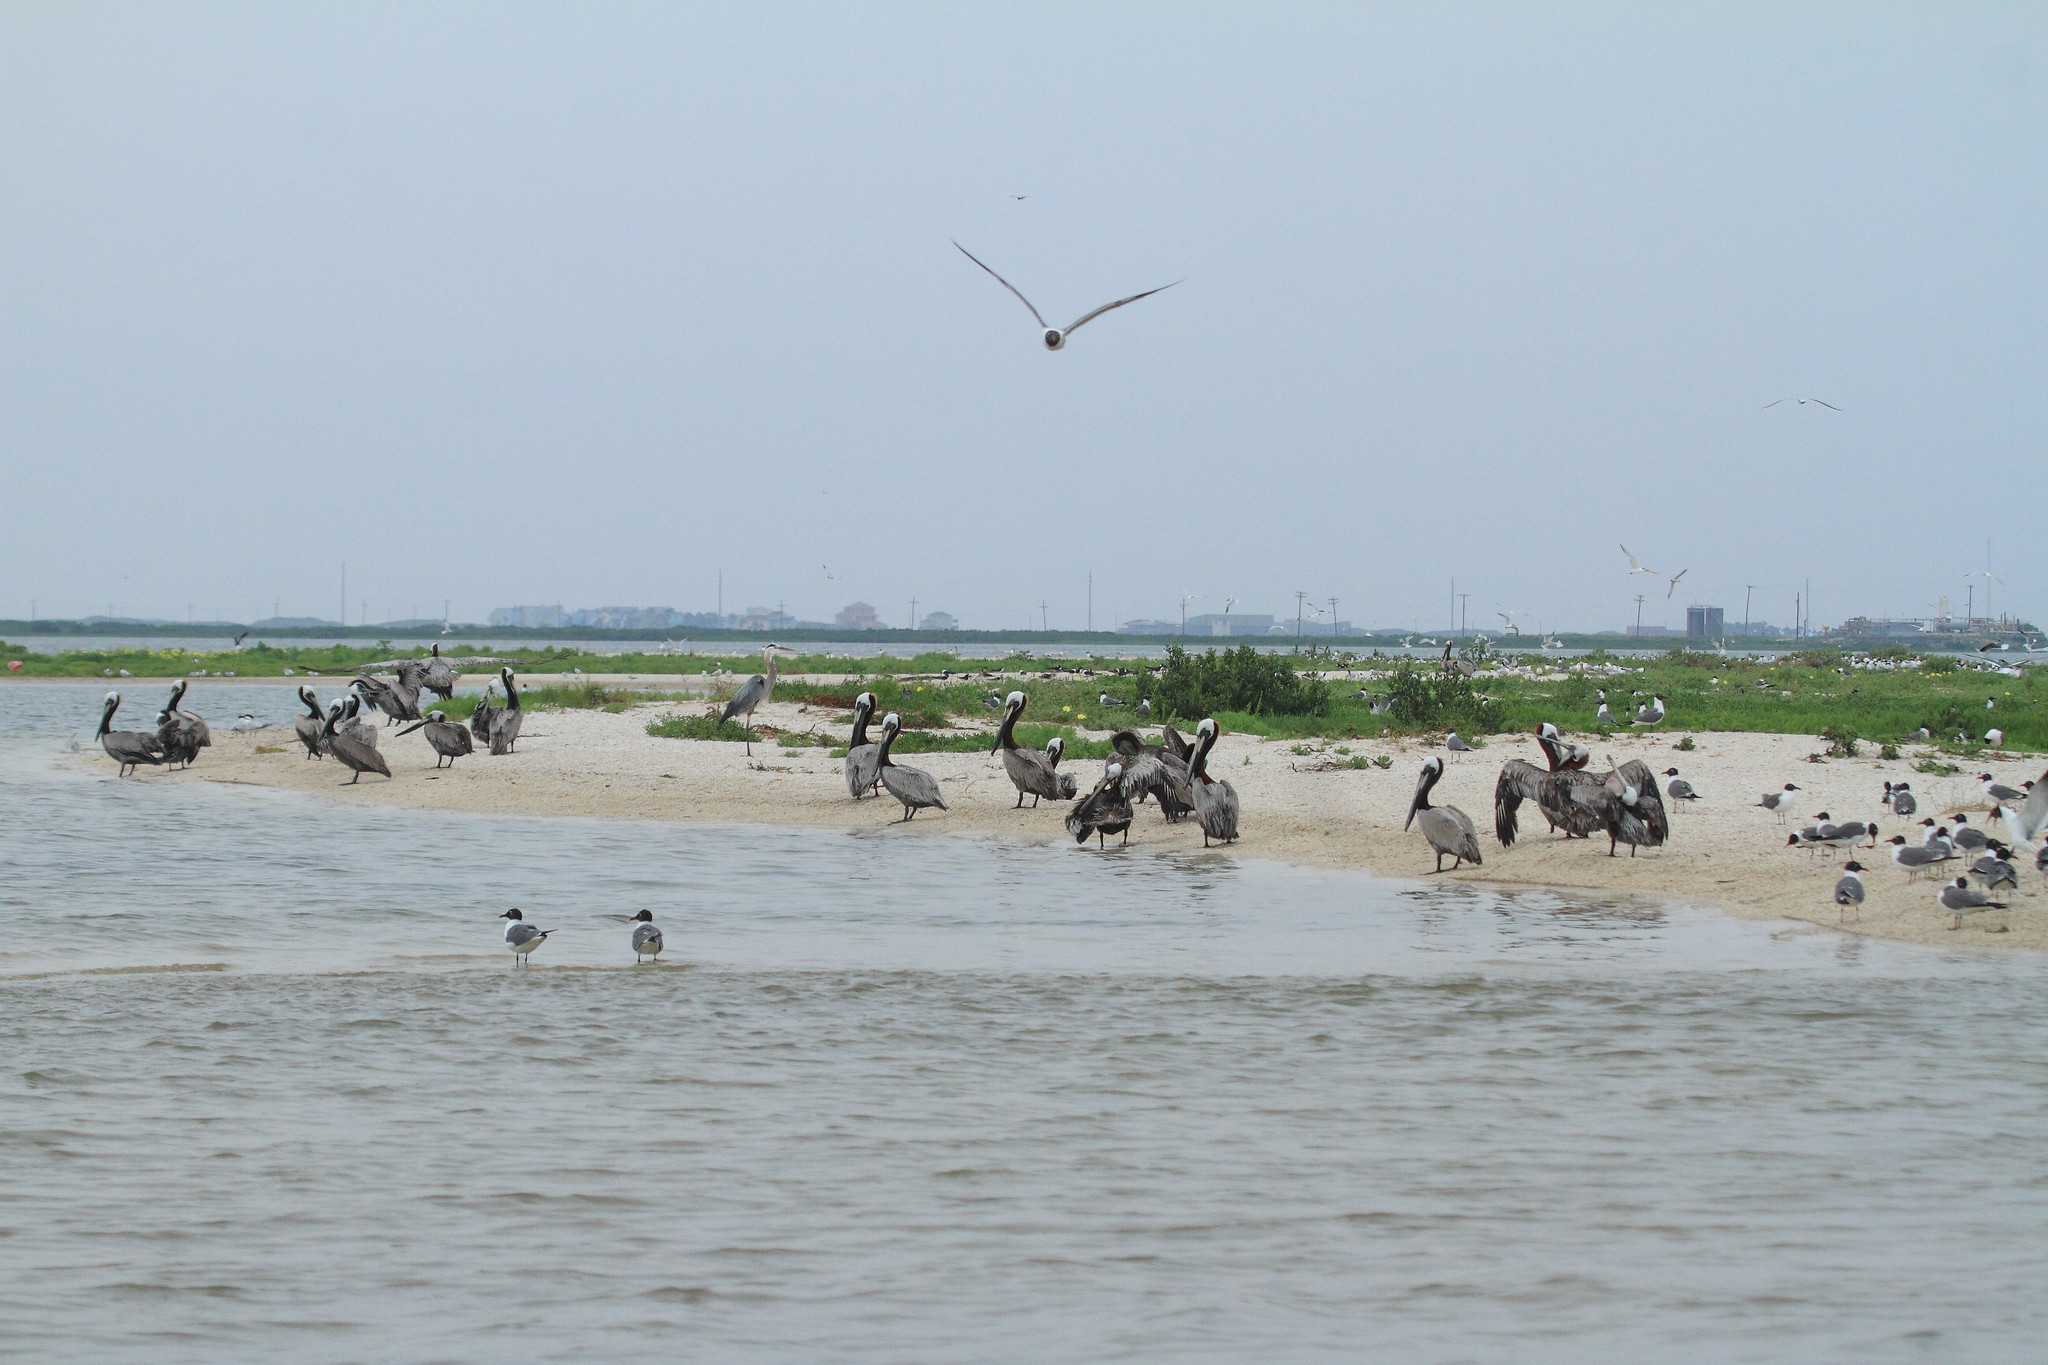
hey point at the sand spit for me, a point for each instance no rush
(1725, 852)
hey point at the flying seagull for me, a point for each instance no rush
(1823, 402)
(1674, 581)
(1055, 338)
(1635, 567)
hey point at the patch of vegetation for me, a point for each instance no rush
(676, 725)
(1192, 686)
(1422, 700)
(1685, 746)
(1841, 741)
(1938, 665)
(1888, 751)
(1934, 767)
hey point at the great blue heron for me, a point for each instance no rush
(1448, 829)
(505, 725)
(1215, 801)
(1055, 338)
(646, 938)
(1031, 771)
(309, 726)
(863, 755)
(754, 691)
(348, 749)
(129, 748)
(915, 788)
(450, 741)
(1103, 811)
(521, 937)
(182, 733)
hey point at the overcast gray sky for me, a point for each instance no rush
(585, 303)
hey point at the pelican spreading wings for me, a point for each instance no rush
(1056, 337)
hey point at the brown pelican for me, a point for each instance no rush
(1055, 338)
(486, 714)
(1556, 791)
(1105, 810)
(309, 726)
(521, 937)
(1448, 829)
(754, 691)
(1631, 811)
(1155, 770)
(914, 787)
(863, 755)
(352, 752)
(1030, 771)
(181, 733)
(399, 701)
(450, 741)
(129, 748)
(1215, 802)
(505, 725)
(1055, 750)
(439, 676)
(646, 938)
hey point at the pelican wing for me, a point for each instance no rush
(1014, 290)
(1090, 317)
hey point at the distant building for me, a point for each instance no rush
(704, 620)
(766, 618)
(857, 616)
(1703, 623)
(1225, 623)
(623, 618)
(529, 617)
(1144, 627)
(939, 620)
(295, 623)
(1649, 630)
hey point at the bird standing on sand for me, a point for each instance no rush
(351, 751)
(915, 788)
(1055, 750)
(646, 938)
(449, 740)
(754, 691)
(1959, 899)
(1680, 791)
(1456, 745)
(1030, 770)
(1779, 803)
(522, 938)
(1849, 890)
(1448, 829)
(308, 727)
(1215, 800)
(1997, 793)
(505, 725)
(1104, 811)
(1055, 338)
(1915, 859)
(863, 755)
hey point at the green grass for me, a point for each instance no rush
(676, 725)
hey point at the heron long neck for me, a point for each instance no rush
(768, 658)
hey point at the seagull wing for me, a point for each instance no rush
(1090, 317)
(1013, 288)
(1774, 402)
(1674, 581)
(1829, 406)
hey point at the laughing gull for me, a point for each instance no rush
(1915, 858)
(1456, 745)
(1898, 798)
(1680, 790)
(1967, 837)
(1959, 899)
(521, 937)
(646, 938)
(1779, 803)
(1055, 338)
(1652, 714)
(1997, 792)
(1849, 890)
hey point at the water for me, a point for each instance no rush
(272, 1090)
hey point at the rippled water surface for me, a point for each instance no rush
(272, 1090)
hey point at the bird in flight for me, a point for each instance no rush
(828, 572)
(1674, 581)
(1634, 567)
(1056, 337)
(1802, 401)
(1014, 196)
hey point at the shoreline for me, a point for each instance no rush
(1726, 853)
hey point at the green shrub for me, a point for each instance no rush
(1192, 686)
(676, 725)
(1939, 663)
(1685, 745)
(1428, 700)
(1841, 741)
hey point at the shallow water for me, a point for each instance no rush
(272, 1089)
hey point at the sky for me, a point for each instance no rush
(602, 304)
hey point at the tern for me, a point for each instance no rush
(1674, 581)
(1802, 402)
(1055, 338)
(646, 938)
(521, 937)
(1635, 567)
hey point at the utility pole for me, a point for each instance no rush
(721, 597)
(444, 610)
(1796, 618)
(1747, 588)
(1807, 620)
(913, 613)
(1091, 601)
(1299, 598)
(1333, 618)
(344, 592)
(1454, 604)
(1639, 616)
(1461, 611)
(1041, 616)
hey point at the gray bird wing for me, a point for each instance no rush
(1014, 290)
(1090, 317)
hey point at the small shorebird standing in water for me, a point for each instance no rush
(521, 937)
(646, 938)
